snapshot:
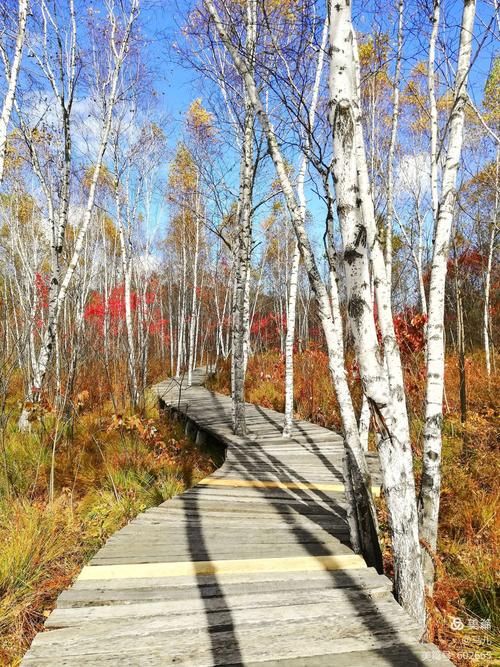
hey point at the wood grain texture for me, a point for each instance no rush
(253, 566)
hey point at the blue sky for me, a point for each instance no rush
(178, 86)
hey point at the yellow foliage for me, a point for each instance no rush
(13, 158)
(200, 121)
(152, 132)
(491, 100)
(105, 179)
(110, 231)
(268, 222)
(183, 172)
(420, 69)
(445, 102)
(480, 189)
(20, 206)
(286, 9)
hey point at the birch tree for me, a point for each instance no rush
(119, 36)
(392, 144)
(361, 480)
(244, 237)
(431, 467)
(12, 68)
(294, 271)
(491, 104)
(491, 251)
(382, 379)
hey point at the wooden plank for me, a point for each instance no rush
(345, 601)
(227, 644)
(263, 484)
(293, 564)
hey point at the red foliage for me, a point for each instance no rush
(114, 309)
(268, 327)
(42, 290)
(410, 331)
(470, 261)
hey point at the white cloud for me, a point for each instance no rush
(146, 264)
(413, 174)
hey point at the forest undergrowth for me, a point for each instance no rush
(66, 486)
(463, 614)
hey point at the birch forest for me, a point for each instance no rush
(301, 197)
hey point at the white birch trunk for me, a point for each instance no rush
(294, 271)
(244, 241)
(181, 317)
(431, 466)
(431, 84)
(489, 265)
(333, 331)
(364, 423)
(192, 315)
(127, 276)
(383, 388)
(12, 75)
(392, 146)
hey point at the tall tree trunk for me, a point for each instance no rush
(294, 270)
(489, 265)
(333, 331)
(461, 347)
(431, 84)
(431, 465)
(244, 241)
(290, 336)
(392, 146)
(192, 314)
(127, 279)
(181, 312)
(12, 71)
(383, 388)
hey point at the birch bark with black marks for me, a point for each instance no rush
(294, 269)
(392, 145)
(431, 84)
(244, 239)
(431, 466)
(382, 378)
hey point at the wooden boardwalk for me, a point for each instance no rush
(250, 567)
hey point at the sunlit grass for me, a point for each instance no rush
(104, 475)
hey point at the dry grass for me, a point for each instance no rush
(107, 469)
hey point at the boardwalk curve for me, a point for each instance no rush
(250, 567)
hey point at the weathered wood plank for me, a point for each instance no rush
(252, 566)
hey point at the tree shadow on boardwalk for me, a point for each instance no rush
(222, 620)
(248, 456)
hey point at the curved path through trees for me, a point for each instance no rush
(252, 566)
